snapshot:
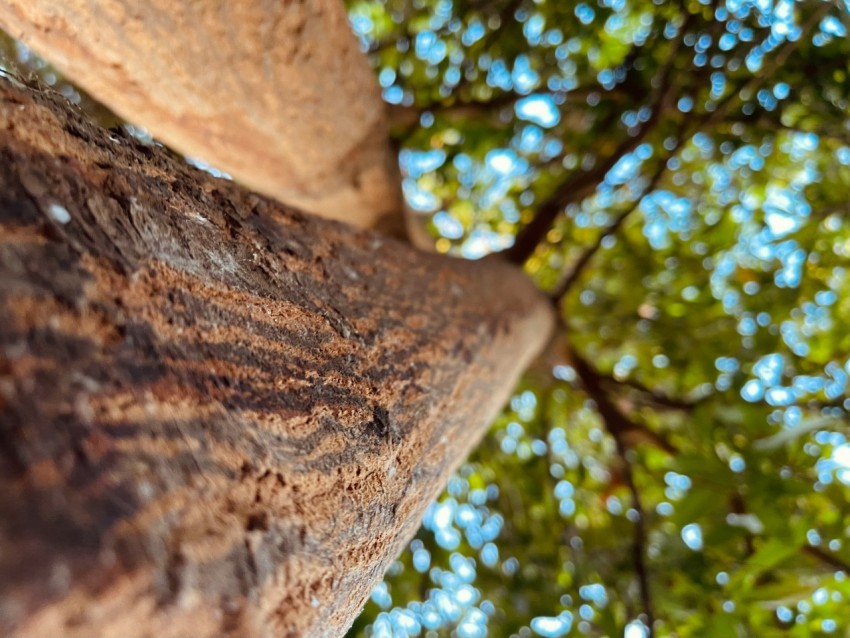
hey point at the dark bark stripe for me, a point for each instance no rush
(218, 415)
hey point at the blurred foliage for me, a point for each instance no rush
(678, 463)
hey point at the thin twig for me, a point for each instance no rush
(618, 425)
(766, 72)
(827, 558)
(580, 184)
(640, 541)
(574, 189)
(656, 397)
(583, 261)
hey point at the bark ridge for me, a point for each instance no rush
(218, 415)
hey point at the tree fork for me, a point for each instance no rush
(218, 416)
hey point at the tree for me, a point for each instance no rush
(674, 176)
(220, 416)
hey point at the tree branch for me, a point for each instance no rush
(767, 71)
(586, 257)
(775, 124)
(639, 544)
(220, 403)
(827, 558)
(656, 397)
(407, 117)
(576, 187)
(618, 426)
(582, 262)
(617, 423)
(580, 184)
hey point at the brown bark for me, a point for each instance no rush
(218, 416)
(275, 93)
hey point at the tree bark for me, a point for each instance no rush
(218, 416)
(275, 93)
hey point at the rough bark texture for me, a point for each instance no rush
(274, 92)
(218, 416)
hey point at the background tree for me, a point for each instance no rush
(675, 176)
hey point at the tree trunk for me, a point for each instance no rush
(218, 416)
(275, 93)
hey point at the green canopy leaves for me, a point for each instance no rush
(676, 173)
